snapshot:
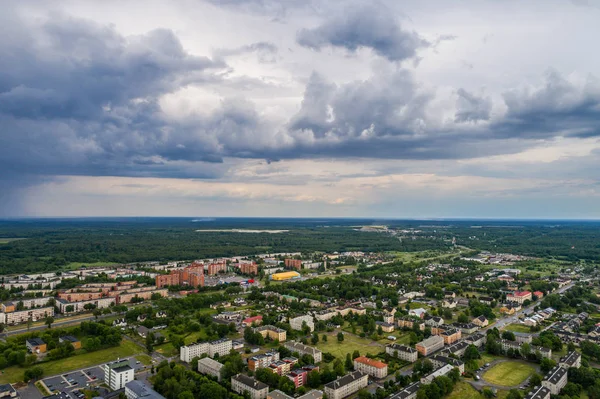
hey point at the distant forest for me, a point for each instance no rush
(50, 244)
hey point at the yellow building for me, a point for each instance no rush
(285, 276)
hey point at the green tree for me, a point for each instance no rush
(340, 336)
(49, 321)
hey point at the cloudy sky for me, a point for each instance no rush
(428, 108)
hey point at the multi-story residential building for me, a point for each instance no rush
(555, 380)
(466, 328)
(388, 317)
(444, 370)
(372, 367)
(298, 376)
(458, 349)
(519, 297)
(35, 345)
(23, 316)
(297, 322)
(209, 366)
(571, 359)
(8, 307)
(507, 344)
(280, 367)
(430, 345)
(302, 349)
(249, 268)
(346, 310)
(450, 335)
(272, 332)
(540, 392)
(221, 346)
(434, 321)
(66, 307)
(478, 339)
(325, 315)
(241, 383)
(408, 322)
(402, 352)
(346, 385)
(313, 394)
(262, 361)
(192, 275)
(486, 300)
(410, 392)
(138, 390)
(293, 264)
(252, 321)
(523, 338)
(440, 361)
(216, 268)
(538, 294)
(385, 327)
(117, 374)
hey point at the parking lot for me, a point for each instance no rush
(74, 381)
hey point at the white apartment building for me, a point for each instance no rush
(26, 303)
(210, 367)
(23, 315)
(540, 392)
(117, 374)
(241, 383)
(555, 380)
(297, 322)
(138, 390)
(66, 307)
(437, 373)
(302, 349)
(221, 346)
(402, 352)
(374, 368)
(346, 385)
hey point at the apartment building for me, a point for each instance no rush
(410, 392)
(22, 316)
(293, 264)
(458, 349)
(221, 346)
(444, 370)
(209, 366)
(272, 332)
(571, 359)
(478, 339)
(481, 321)
(9, 307)
(280, 367)
(540, 392)
(385, 327)
(192, 275)
(430, 345)
(298, 376)
(117, 374)
(138, 390)
(252, 321)
(407, 322)
(248, 268)
(402, 352)
(555, 380)
(440, 361)
(262, 361)
(297, 323)
(450, 335)
(325, 315)
(241, 383)
(346, 385)
(519, 297)
(374, 368)
(216, 268)
(313, 394)
(66, 307)
(302, 349)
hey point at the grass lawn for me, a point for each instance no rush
(349, 345)
(146, 360)
(509, 373)
(486, 358)
(517, 328)
(7, 240)
(167, 350)
(127, 348)
(464, 390)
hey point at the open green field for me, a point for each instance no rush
(509, 373)
(127, 348)
(167, 349)
(517, 328)
(7, 240)
(463, 390)
(146, 360)
(349, 345)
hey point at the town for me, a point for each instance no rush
(303, 325)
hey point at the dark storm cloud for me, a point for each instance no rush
(557, 107)
(372, 26)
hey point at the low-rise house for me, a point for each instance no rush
(8, 391)
(385, 327)
(241, 383)
(434, 321)
(481, 321)
(346, 385)
(419, 312)
(486, 300)
(36, 345)
(72, 340)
